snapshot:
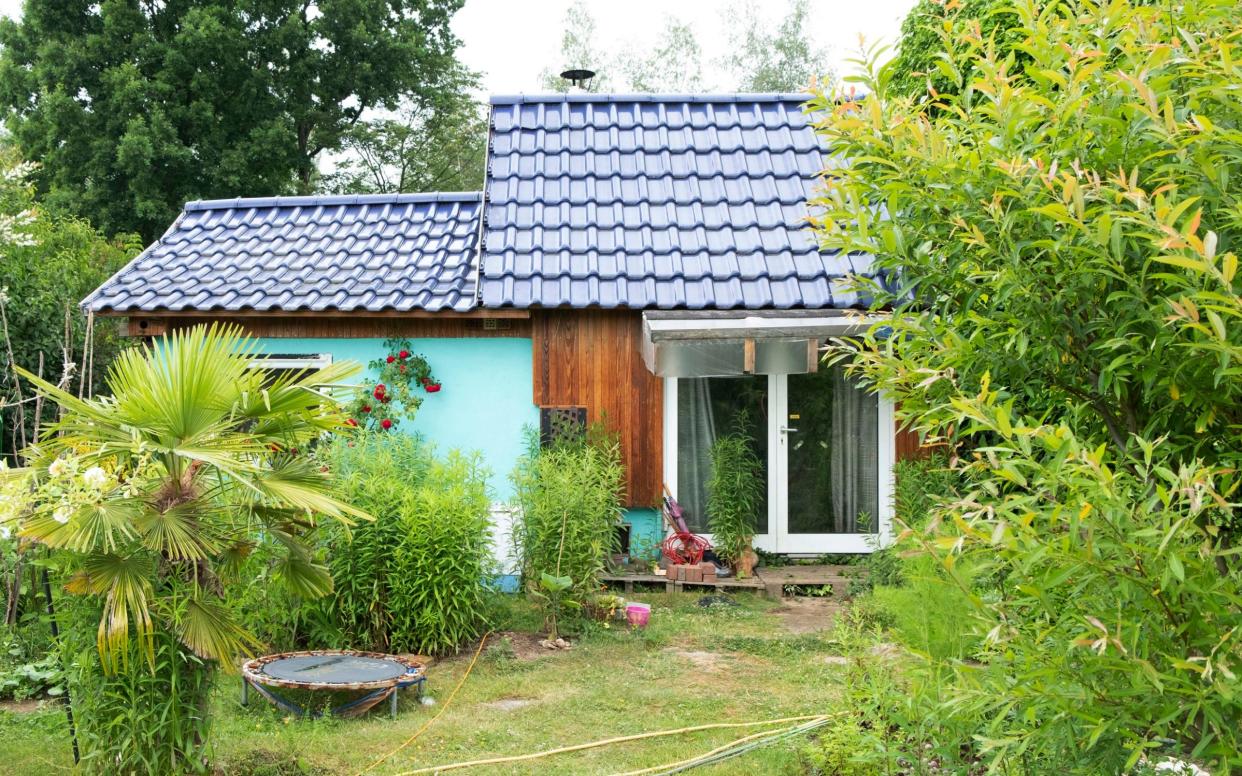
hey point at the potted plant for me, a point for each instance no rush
(734, 494)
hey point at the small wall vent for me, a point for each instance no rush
(556, 423)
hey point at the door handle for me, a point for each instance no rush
(788, 430)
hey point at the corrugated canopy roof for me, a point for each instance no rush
(645, 201)
(385, 252)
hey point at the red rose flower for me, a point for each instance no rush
(366, 408)
(403, 355)
(433, 387)
(385, 424)
(391, 359)
(379, 391)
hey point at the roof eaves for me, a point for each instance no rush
(517, 99)
(331, 199)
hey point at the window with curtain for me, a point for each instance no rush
(706, 407)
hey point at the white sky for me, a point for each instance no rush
(512, 41)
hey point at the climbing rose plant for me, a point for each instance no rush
(381, 404)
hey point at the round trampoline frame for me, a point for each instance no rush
(254, 676)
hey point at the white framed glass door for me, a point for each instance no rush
(827, 447)
(833, 463)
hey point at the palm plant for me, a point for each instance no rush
(155, 493)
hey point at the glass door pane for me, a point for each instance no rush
(706, 408)
(833, 455)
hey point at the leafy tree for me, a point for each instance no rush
(1059, 247)
(673, 64)
(133, 109)
(48, 262)
(916, 69)
(150, 496)
(433, 145)
(783, 59)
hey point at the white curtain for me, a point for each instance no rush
(854, 469)
(696, 431)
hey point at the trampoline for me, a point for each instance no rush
(377, 674)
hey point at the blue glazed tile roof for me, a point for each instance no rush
(646, 201)
(372, 253)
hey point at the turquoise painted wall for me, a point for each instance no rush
(646, 533)
(486, 401)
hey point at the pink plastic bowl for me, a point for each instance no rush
(638, 614)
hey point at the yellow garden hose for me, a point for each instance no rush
(443, 708)
(618, 740)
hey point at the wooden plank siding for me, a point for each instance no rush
(907, 446)
(593, 359)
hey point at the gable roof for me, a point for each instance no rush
(385, 252)
(646, 201)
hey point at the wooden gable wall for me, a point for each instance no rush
(593, 359)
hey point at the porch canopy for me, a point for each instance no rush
(722, 343)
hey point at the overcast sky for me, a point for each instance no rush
(512, 41)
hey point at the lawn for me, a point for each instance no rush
(693, 665)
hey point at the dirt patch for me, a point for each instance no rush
(807, 615)
(519, 646)
(28, 706)
(702, 660)
(508, 704)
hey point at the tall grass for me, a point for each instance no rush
(145, 718)
(570, 495)
(734, 495)
(414, 579)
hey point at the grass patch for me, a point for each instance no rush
(692, 665)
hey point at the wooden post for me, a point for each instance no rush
(748, 356)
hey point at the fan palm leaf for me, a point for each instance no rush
(200, 448)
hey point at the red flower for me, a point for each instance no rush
(402, 367)
(391, 359)
(433, 387)
(385, 424)
(366, 408)
(379, 391)
(424, 380)
(351, 422)
(403, 355)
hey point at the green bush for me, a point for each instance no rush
(734, 495)
(439, 572)
(919, 484)
(570, 495)
(415, 578)
(1064, 316)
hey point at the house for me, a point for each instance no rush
(644, 258)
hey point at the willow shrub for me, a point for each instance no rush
(415, 578)
(1058, 238)
(570, 495)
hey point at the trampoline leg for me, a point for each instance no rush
(394, 703)
(245, 692)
